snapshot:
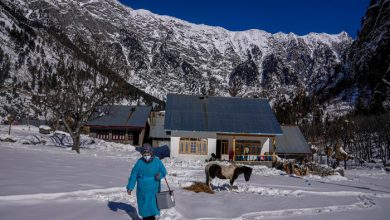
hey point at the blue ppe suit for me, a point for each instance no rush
(147, 186)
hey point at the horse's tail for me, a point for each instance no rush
(213, 170)
(206, 171)
(207, 174)
(207, 179)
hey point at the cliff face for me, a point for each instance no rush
(370, 58)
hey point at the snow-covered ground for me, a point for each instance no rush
(46, 182)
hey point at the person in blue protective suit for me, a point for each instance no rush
(147, 173)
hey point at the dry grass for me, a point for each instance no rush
(199, 187)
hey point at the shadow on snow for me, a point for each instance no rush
(130, 210)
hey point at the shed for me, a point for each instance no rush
(120, 123)
(292, 144)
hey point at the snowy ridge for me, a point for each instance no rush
(241, 40)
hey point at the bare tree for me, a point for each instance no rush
(73, 93)
(19, 110)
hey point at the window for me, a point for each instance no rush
(224, 147)
(248, 150)
(105, 135)
(130, 136)
(193, 146)
(118, 135)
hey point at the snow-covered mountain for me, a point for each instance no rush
(161, 54)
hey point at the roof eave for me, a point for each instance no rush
(115, 126)
(225, 132)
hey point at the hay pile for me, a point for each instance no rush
(199, 187)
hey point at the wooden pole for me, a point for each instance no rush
(9, 129)
(10, 120)
(274, 149)
(234, 148)
(274, 144)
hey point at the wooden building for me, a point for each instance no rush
(119, 123)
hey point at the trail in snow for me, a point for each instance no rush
(364, 202)
(113, 193)
(120, 193)
(357, 187)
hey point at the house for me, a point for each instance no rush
(292, 144)
(201, 125)
(158, 136)
(119, 123)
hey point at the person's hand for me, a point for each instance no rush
(157, 177)
(128, 192)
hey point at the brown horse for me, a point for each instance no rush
(230, 172)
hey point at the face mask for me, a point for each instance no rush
(147, 158)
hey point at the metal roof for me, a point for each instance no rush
(220, 114)
(120, 116)
(292, 141)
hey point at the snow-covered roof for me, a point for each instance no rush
(44, 127)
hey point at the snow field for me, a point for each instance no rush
(46, 182)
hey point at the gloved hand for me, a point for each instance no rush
(128, 192)
(157, 177)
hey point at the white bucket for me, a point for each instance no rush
(165, 200)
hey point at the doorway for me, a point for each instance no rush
(219, 146)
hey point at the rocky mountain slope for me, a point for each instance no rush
(370, 58)
(161, 54)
